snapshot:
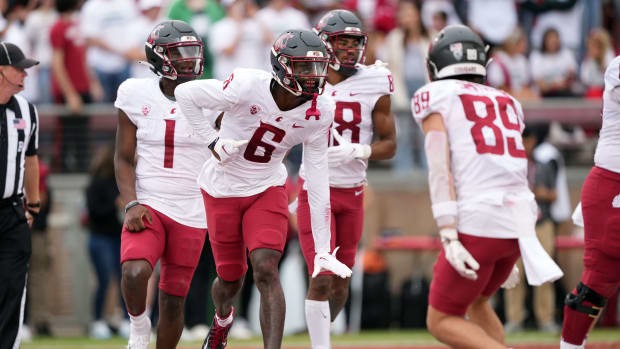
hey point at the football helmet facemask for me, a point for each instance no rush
(345, 39)
(456, 51)
(299, 61)
(175, 51)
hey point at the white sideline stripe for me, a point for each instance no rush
(21, 316)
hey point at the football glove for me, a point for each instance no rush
(227, 148)
(346, 151)
(513, 279)
(328, 262)
(460, 259)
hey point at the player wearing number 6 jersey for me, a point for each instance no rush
(479, 191)
(243, 185)
(164, 214)
(362, 103)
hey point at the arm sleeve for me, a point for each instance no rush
(33, 144)
(612, 81)
(317, 181)
(204, 99)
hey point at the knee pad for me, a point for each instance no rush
(584, 293)
(231, 272)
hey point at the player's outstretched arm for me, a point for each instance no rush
(384, 125)
(125, 172)
(193, 98)
(317, 180)
(443, 195)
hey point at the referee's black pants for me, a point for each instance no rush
(15, 250)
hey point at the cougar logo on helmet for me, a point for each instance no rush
(281, 42)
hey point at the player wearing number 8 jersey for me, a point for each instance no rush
(362, 103)
(164, 214)
(243, 185)
(479, 191)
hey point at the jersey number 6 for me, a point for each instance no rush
(480, 122)
(256, 144)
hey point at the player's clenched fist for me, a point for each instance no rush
(346, 151)
(134, 216)
(328, 262)
(224, 149)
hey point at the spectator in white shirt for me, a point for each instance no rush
(150, 16)
(510, 69)
(553, 67)
(37, 29)
(104, 24)
(598, 57)
(239, 39)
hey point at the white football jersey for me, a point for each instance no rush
(488, 161)
(607, 154)
(169, 155)
(251, 113)
(355, 99)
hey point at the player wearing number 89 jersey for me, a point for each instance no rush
(243, 185)
(479, 191)
(164, 215)
(362, 105)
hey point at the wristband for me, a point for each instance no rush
(131, 204)
(34, 204)
(33, 213)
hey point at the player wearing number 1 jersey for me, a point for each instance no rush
(479, 191)
(362, 103)
(164, 215)
(243, 185)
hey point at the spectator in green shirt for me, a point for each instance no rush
(200, 14)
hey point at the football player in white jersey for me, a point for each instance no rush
(600, 205)
(157, 161)
(362, 105)
(479, 191)
(265, 115)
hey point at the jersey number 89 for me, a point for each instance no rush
(500, 104)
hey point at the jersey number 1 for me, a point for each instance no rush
(480, 122)
(169, 143)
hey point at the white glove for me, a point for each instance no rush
(346, 151)
(457, 255)
(328, 262)
(227, 148)
(513, 279)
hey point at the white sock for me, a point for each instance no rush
(139, 324)
(319, 322)
(564, 345)
(227, 321)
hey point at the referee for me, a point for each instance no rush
(19, 174)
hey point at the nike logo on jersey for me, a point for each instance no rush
(297, 126)
(353, 94)
(358, 193)
(616, 202)
(173, 110)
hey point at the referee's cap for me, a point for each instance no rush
(11, 55)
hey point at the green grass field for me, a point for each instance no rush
(600, 338)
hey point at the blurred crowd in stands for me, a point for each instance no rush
(540, 48)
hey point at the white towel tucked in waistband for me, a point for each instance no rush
(539, 267)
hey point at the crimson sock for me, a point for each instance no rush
(576, 325)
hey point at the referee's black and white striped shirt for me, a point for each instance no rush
(19, 137)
